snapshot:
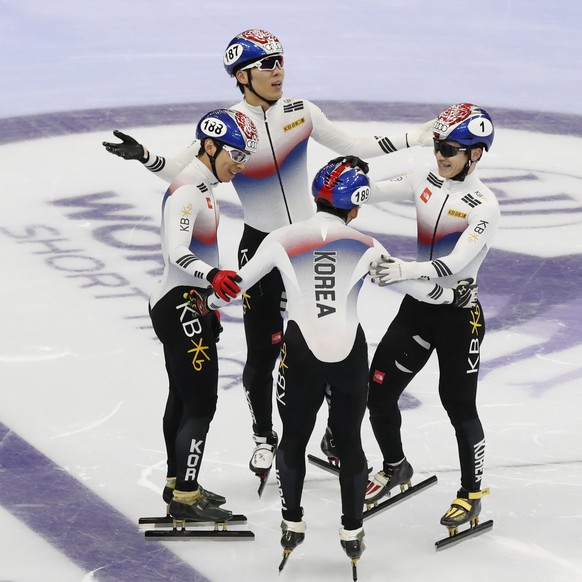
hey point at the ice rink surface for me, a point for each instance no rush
(82, 380)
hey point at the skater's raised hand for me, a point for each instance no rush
(128, 149)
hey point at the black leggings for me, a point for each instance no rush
(301, 387)
(192, 365)
(417, 330)
(263, 324)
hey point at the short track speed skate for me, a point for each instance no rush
(352, 541)
(187, 516)
(293, 535)
(383, 482)
(168, 494)
(263, 456)
(392, 475)
(464, 509)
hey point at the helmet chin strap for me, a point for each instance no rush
(212, 159)
(460, 177)
(252, 90)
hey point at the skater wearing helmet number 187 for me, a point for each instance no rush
(273, 191)
(189, 245)
(323, 263)
(457, 216)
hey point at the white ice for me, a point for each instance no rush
(82, 377)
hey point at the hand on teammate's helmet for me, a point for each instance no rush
(354, 161)
(465, 294)
(422, 135)
(391, 270)
(128, 149)
(224, 283)
(198, 301)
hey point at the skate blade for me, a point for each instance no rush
(286, 554)
(456, 538)
(355, 569)
(167, 522)
(325, 465)
(328, 465)
(188, 534)
(263, 477)
(406, 494)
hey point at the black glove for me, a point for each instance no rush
(465, 294)
(353, 161)
(216, 326)
(128, 149)
(198, 300)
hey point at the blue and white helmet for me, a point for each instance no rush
(248, 47)
(466, 124)
(229, 127)
(341, 185)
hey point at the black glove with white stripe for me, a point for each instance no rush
(465, 294)
(128, 149)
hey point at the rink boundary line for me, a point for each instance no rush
(77, 522)
(44, 125)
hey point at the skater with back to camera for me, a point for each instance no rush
(457, 216)
(273, 191)
(189, 226)
(323, 263)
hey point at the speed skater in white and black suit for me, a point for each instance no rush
(323, 264)
(273, 191)
(457, 217)
(190, 217)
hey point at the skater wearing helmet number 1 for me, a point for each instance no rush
(457, 216)
(189, 246)
(323, 263)
(273, 191)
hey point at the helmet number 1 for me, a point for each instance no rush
(480, 126)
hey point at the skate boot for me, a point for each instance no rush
(264, 452)
(168, 493)
(192, 505)
(352, 541)
(293, 535)
(391, 476)
(465, 508)
(328, 447)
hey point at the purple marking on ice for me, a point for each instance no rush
(13, 129)
(78, 523)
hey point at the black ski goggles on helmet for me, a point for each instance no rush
(446, 149)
